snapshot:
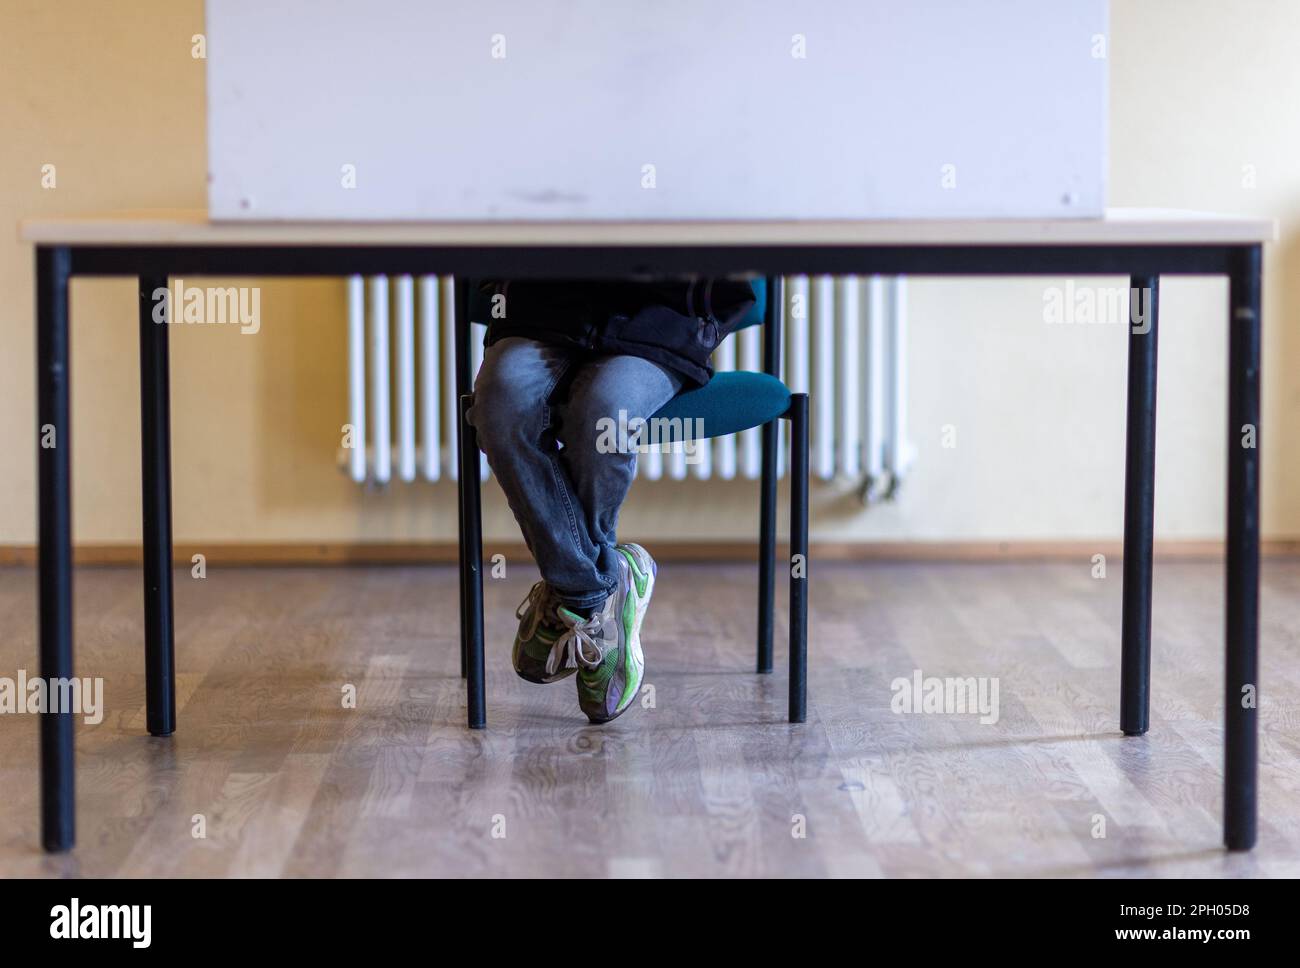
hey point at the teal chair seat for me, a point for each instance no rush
(731, 401)
(727, 404)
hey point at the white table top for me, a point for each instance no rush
(191, 227)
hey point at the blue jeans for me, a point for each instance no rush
(529, 399)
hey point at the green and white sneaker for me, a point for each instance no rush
(539, 627)
(607, 646)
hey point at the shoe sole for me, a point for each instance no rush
(514, 661)
(545, 682)
(635, 645)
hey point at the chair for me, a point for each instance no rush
(729, 403)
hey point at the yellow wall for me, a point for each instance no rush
(109, 93)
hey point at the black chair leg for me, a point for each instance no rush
(461, 545)
(1139, 509)
(767, 495)
(798, 557)
(156, 480)
(463, 551)
(767, 549)
(472, 568)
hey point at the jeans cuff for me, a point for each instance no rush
(584, 602)
(590, 599)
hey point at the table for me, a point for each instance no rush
(1140, 244)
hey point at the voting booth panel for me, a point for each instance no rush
(679, 109)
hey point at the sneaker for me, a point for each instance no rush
(539, 627)
(606, 647)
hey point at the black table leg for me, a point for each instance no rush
(1241, 686)
(460, 327)
(798, 557)
(471, 516)
(54, 466)
(156, 478)
(1139, 504)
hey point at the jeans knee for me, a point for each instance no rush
(623, 395)
(584, 414)
(502, 418)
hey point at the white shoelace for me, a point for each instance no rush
(536, 599)
(576, 646)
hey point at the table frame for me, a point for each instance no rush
(1144, 264)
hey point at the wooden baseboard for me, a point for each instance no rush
(444, 552)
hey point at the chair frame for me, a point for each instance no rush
(469, 488)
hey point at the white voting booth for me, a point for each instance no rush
(677, 109)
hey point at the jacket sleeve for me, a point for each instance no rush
(727, 301)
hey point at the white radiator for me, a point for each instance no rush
(845, 345)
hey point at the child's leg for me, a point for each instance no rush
(513, 416)
(621, 390)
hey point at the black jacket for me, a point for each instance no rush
(677, 324)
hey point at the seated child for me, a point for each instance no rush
(560, 357)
